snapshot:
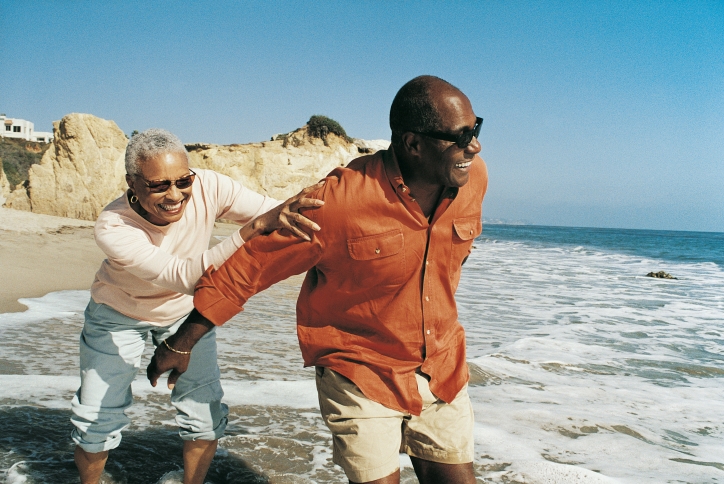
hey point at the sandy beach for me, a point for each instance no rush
(42, 253)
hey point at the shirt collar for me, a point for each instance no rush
(392, 169)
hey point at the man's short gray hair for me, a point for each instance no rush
(148, 144)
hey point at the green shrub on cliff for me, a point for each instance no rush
(320, 126)
(17, 155)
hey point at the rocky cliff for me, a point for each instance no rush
(83, 170)
(4, 186)
(79, 174)
(283, 166)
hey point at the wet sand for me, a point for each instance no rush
(42, 253)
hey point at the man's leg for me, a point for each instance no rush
(201, 416)
(198, 455)
(393, 478)
(432, 473)
(111, 345)
(440, 441)
(366, 435)
(429, 472)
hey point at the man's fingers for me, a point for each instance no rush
(172, 378)
(151, 372)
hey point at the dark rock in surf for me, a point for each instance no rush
(660, 275)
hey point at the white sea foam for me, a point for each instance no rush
(16, 474)
(54, 305)
(55, 391)
(596, 367)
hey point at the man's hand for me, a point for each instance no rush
(165, 359)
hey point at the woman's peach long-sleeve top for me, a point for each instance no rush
(150, 271)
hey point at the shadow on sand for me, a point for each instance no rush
(35, 447)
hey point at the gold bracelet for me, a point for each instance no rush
(176, 351)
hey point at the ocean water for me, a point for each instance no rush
(583, 370)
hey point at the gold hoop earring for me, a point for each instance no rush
(134, 198)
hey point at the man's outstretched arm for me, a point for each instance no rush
(222, 293)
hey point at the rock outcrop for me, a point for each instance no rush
(4, 186)
(81, 172)
(282, 167)
(84, 170)
(660, 275)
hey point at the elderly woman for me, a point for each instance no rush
(156, 239)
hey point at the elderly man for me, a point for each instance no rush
(376, 314)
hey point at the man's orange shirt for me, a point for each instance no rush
(378, 302)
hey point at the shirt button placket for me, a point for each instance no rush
(427, 300)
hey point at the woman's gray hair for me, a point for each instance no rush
(148, 144)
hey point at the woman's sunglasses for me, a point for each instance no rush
(161, 186)
(462, 140)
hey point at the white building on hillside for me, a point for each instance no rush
(21, 129)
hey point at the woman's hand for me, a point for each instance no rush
(286, 216)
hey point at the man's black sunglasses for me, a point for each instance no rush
(462, 140)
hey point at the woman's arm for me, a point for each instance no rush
(257, 213)
(131, 247)
(286, 216)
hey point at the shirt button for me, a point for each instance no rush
(427, 262)
(377, 251)
(428, 331)
(471, 232)
(404, 189)
(412, 199)
(427, 298)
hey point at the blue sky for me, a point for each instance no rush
(603, 114)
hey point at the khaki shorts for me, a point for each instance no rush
(368, 437)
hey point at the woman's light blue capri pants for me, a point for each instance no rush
(111, 346)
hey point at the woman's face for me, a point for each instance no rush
(165, 207)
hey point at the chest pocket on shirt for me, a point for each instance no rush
(378, 260)
(464, 232)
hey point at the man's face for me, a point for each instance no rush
(443, 162)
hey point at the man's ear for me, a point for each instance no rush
(129, 180)
(410, 143)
